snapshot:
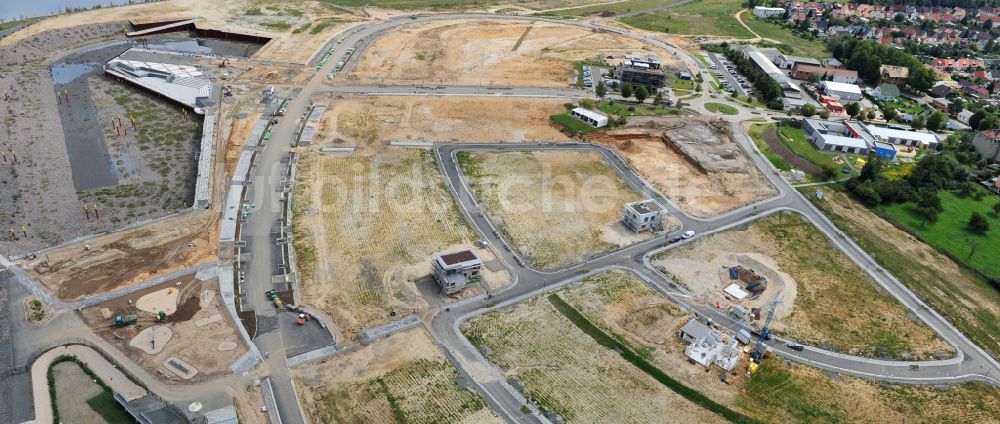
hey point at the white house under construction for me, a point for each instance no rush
(644, 215)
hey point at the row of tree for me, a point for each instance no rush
(768, 89)
(867, 57)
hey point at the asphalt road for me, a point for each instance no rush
(971, 363)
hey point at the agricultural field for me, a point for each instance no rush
(359, 266)
(949, 233)
(529, 195)
(707, 17)
(795, 393)
(566, 372)
(826, 299)
(402, 378)
(435, 53)
(963, 297)
(799, 46)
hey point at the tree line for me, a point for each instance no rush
(768, 89)
(867, 57)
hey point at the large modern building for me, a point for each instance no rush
(644, 215)
(453, 271)
(834, 136)
(789, 88)
(641, 71)
(860, 138)
(987, 144)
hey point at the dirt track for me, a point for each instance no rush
(798, 162)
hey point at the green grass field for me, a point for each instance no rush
(796, 140)
(721, 108)
(949, 233)
(757, 135)
(614, 109)
(617, 8)
(572, 124)
(679, 84)
(800, 46)
(705, 17)
(962, 296)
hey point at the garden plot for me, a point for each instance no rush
(556, 208)
(361, 120)
(565, 372)
(826, 299)
(693, 162)
(365, 229)
(482, 52)
(401, 378)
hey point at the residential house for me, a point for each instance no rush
(887, 92)
(894, 74)
(987, 144)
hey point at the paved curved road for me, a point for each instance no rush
(970, 364)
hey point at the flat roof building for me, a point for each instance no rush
(644, 215)
(455, 270)
(846, 92)
(590, 117)
(803, 71)
(768, 12)
(641, 71)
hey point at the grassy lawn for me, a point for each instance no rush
(623, 7)
(11, 24)
(572, 124)
(949, 234)
(903, 106)
(679, 84)
(721, 108)
(705, 17)
(614, 109)
(796, 140)
(757, 135)
(962, 296)
(109, 409)
(800, 46)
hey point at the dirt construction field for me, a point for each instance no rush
(199, 332)
(834, 305)
(401, 378)
(119, 259)
(487, 52)
(556, 208)
(360, 120)
(366, 227)
(564, 371)
(717, 177)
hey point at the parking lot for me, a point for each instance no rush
(732, 81)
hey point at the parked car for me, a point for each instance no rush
(673, 240)
(796, 347)
(687, 234)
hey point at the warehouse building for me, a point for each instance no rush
(785, 61)
(844, 92)
(834, 136)
(803, 71)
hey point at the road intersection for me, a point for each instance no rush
(970, 363)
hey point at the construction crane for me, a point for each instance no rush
(765, 334)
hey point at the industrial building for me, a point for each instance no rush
(641, 71)
(590, 117)
(789, 88)
(987, 144)
(803, 71)
(785, 61)
(644, 215)
(708, 346)
(844, 92)
(860, 138)
(453, 271)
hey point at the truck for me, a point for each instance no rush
(273, 295)
(125, 320)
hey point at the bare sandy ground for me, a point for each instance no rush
(368, 119)
(482, 52)
(698, 192)
(227, 15)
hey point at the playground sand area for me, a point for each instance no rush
(198, 332)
